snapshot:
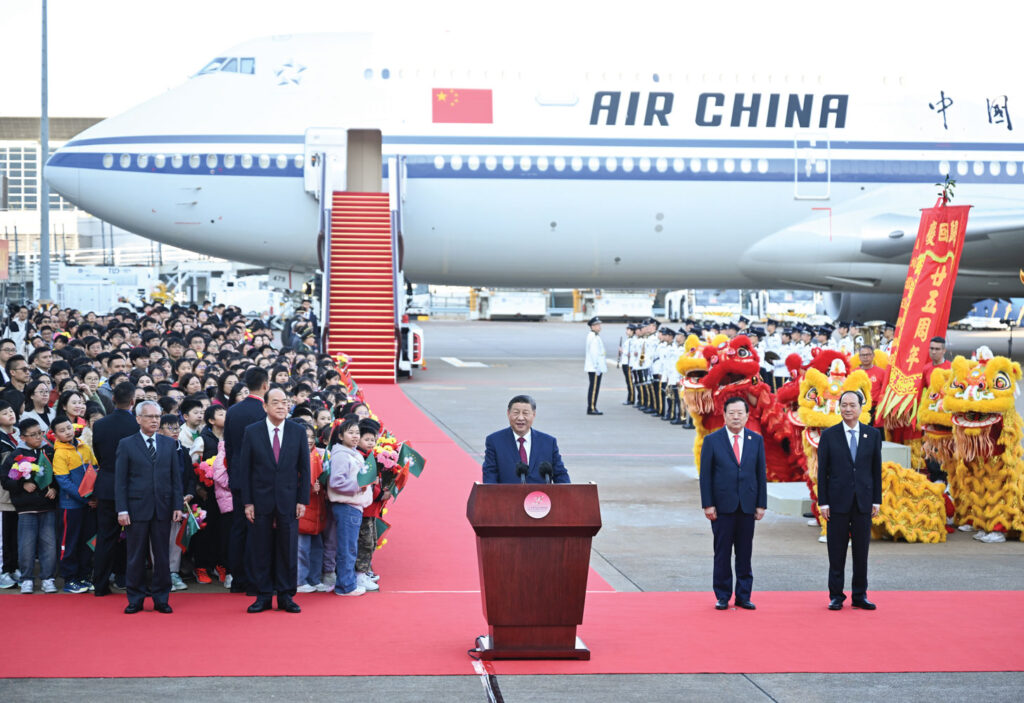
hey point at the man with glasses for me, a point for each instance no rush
(20, 374)
(147, 495)
(7, 349)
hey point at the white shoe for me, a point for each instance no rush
(26, 586)
(6, 581)
(306, 588)
(330, 579)
(980, 535)
(373, 577)
(357, 591)
(823, 539)
(323, 588)
(49, 586)
(993, 538)
(966, 528)
(365, 582)
(227, 581)
(177, 584)
(812, 522)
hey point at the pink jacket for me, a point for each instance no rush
(220, 481)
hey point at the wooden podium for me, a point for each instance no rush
(533, 545)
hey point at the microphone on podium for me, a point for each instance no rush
(546, 471)
(522, 468)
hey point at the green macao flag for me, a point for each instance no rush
(407, 456)
(382, 527)
(189, 527)
(44, 477)
(368, 474)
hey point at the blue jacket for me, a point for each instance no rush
(501, 454)
(729, 486)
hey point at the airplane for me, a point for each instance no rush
(584, 176)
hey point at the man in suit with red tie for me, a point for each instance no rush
(518, 444)
(849, 495)
(733, 493)
(273, 477)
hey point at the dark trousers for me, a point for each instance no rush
(593, 389)
(628, 375)
(273, 549)
(240, 577)
(853, 527)
(205, 544)
(78, 526)
(733, 532)
(145, 536)
(10, 541)
(110, 551)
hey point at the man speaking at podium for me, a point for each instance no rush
(520, 454)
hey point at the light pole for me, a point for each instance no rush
(44, 189)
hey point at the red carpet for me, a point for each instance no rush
(628, 633)
(430, 613)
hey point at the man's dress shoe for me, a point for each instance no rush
(288, 605)
(163, 608)
(864, 604)
(722, 604)
(133, 608)
(259, 606)
(746, 605)
(835, 604)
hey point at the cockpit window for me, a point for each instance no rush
(213, 66)
(227, 64)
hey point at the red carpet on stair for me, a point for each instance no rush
(429, 613)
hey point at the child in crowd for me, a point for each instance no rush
(368, 431)
(8, 443)
(36, 510)
(192, 412)
(206, 546)
(311, 524)
(70, 459)
(169, 428)
(347, 499)
(225, 504)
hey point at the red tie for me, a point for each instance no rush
(522, 451)
(277, 446)
(736, 447)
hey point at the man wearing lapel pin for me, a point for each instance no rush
(849, 495)
(273, 466)
(733, 493)
(521, 445)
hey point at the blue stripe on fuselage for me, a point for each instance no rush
(779, 169)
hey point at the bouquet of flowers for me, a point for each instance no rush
(204, 471)
(23, 467)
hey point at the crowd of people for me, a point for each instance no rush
(77, 385)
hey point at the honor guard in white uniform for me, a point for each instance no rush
(888, 333)
(660, 368)
(636, 346)
(625, 344)
(843, 338)
(780, 373)
(647, 356)
(673, 378)
(595, 364)
(804, 345)
(772, 338)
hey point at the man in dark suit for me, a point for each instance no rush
(520, 443)
(849, 495)
(733, 493)
(273, 476)
(106, 436)
(240, 416)
(147, 490)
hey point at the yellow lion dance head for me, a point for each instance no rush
(819, 402)
(980, 395)
(935, 420)
(692, 366)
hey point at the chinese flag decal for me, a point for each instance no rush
(461, 106)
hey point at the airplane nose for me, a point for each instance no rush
(62, 176)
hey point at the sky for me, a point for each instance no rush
(105, 56)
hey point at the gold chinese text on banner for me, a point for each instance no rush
(924, 310)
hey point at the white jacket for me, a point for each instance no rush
(595, 360)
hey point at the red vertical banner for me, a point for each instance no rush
(924, 310)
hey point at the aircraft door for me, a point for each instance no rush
(812, 167)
